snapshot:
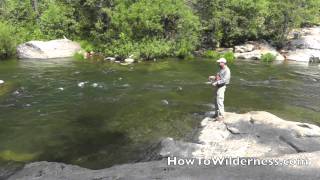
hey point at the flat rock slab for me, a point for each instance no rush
(161, 170)
(254, 134)
(59, 48)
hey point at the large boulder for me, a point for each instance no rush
(59, 48)
(254, 134)
(304, 47)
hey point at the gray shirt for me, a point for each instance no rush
(225, 75)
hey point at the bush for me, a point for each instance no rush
(57, 21)
(229, 56)
(150, 29)
(85, 45)
(150, 49)
(268, 57)
(212, 54)
(79, 56)
(7, 40)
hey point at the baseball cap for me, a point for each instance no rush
(222, 60)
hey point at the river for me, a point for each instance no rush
(98, 115)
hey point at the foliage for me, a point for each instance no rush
(79, 56)
(7, 40)
(231, 22)
(229, 56)
(57, 21)
(212, 54)
(87, 46)
(268, 57)
(152, 28)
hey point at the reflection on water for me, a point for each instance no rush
(98, 115)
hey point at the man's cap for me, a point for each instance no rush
(222, 60)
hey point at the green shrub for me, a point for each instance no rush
(268, 57)
(150, 49)
(78, 56)
(7, 40)
(150, 29)
(85, 45)
(229, 56)
(57, 21)
(212, 54)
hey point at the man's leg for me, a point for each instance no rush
(220, 100)
(216, 103)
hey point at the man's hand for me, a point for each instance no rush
(214, 84)
(212, 78)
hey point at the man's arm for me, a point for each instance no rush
(224, 77)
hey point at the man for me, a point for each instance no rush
(220, 81)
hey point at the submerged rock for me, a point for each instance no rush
(59, 48)
(1, 81)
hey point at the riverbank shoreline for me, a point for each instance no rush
(301, 46)
(251, 135)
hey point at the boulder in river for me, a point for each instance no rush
(129, 60)
(59, 48)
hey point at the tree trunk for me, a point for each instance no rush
(34, 4)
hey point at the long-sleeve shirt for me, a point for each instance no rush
(225, 75)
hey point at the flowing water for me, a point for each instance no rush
(98, 115)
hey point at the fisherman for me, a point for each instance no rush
(220, 81)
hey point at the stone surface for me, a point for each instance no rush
(129, 60)
(110, 59)
(161, 170)
(255, 50)
(244, 48)
(250, 135)
(47, 49)
(254, 134)
(306, 46)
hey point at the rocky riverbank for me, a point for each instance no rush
(303, 46)
(251, 135)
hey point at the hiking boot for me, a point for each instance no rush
(220, 118)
